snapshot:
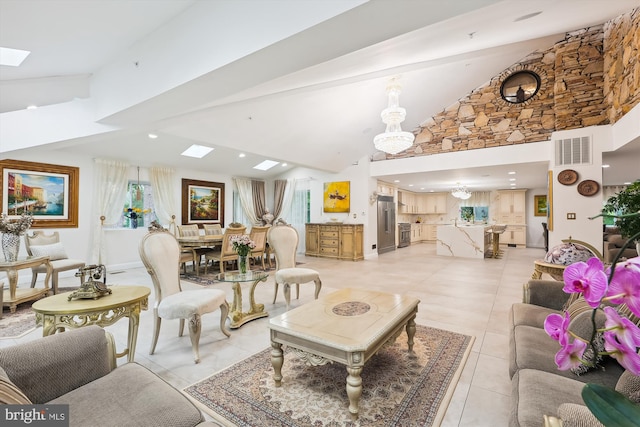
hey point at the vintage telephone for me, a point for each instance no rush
(92, 288)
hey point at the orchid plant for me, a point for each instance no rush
(602, 288)
(242, 244)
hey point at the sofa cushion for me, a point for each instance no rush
(629, 385)
(574, 415)
(529, 314)
(532, 348)
(130, 395)
(617, 240)
(535, 393)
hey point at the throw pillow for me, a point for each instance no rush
(582, 327)
(629, 385)
(574, 415)
(9, 393)
(55, 251)
(578, 306)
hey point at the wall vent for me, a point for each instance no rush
(573, 151)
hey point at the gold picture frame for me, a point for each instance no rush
(540, 205)
(550, 201)
(337, 197)
(202, 202)
(49, 192)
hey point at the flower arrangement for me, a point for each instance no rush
(134, 213)
(15, 226)
(242, 244)
(603, 289)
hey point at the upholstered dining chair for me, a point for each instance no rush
(258, 235)
(191, 230)
(40, 244)
(283, 240)
(157, 249)
(212, 229)
(225, 252)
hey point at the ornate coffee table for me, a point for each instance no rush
(13, 296)
(56, 313)
(347, 326)
(256, 311)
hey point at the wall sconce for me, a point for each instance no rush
(373, 198)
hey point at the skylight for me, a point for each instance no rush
(265, 165)
(12, 57)
(197, 151)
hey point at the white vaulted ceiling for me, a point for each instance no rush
(301, 82)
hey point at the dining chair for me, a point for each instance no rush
(225, 252)
(157, 249)
(283, 240)
(212, 229)
(191, 230)
(40, 244)
(258, 235)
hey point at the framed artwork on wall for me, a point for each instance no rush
(49, 192)
(337, 197)
(202, 202)
(540, 205)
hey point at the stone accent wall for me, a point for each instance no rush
(622, 62)
(575, 92)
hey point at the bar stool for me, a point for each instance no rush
(496, 231)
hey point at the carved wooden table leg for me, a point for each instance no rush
(277, 360)
(354, 388)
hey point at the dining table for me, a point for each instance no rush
(193, 243)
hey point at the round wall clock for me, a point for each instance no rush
(588, 187)
(568, 177)
(520, 86)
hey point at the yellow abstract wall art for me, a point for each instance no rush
(337, 197)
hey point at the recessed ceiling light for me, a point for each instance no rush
(627, 183)
(512, 179)
(396, 180)
(606, 166)
(32, 107)
(512, 184)
(431, 191)
(152, 136)
(12, 57)
(284, 165)
(265, 165)
(512, 172)
(410, 185)
(241, 155)
(197, 151)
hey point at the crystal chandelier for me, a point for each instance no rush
(393, 140)
(460, 192)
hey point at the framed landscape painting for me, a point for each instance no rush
(540, 205)
(202, 202)
(337, 197)
(48, 192)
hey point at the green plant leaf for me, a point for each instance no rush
(610, 407)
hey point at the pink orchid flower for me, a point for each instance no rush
(625, 285)
(626, 356)
(556, 326)
(570, 355)
(588, 278)
(623, 328)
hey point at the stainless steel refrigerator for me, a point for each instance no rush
(386, 224)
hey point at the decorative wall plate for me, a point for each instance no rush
(588, 187)
(568, 177)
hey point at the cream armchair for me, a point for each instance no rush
(157, 250)
(40, 244)
(283, 241)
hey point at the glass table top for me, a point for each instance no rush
(236, 276)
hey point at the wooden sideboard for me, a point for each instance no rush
(341, 241)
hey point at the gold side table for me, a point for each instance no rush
(13, 296)
(554, 270)
(57, 313)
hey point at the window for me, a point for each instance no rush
(140, 201)
(238, 212)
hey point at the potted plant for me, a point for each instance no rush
(624, 205)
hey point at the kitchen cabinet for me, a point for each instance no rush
(341, 241)
(512, 213)
(416, 233)
(435, 203)
(514, 235)
(429, 232)
(385, 189)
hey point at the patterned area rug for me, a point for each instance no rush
(23, 321)
(399, 388)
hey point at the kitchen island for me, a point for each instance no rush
(465, 241)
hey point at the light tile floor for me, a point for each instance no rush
(463, 295)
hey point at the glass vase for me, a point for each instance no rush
(10, 246)
(133, 222)
(242, 263)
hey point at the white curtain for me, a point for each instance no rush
(477, 199)
(287, 200)
(164, 201)
(245, 192)
(298, 212)
(109, 194)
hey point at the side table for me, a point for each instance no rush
(57, 313)
(13, 296)
(256, 311)
(554, 270)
